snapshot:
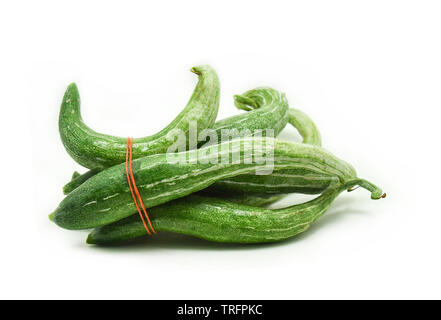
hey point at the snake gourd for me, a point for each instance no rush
(94, 150)
(221, 220)
(105, 197)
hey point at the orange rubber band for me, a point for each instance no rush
(134, 189)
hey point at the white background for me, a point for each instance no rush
(367, 72)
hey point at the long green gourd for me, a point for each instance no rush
(220, 220)
(94, 150)
(106, 198)
(253, 199)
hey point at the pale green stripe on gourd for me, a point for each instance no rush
(106, 198)
(94, 150)
(220, 220)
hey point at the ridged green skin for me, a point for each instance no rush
(106, 198)
(98, 151)
(220, 220)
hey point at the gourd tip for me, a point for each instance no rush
(72, 86)
(76, 174)
(195, 70)
(90, 240)
(243, 103)
(383, 195)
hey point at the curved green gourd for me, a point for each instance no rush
(98, 151)
(220, 220)
(106, 198)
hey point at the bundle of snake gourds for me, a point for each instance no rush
(208, 198)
